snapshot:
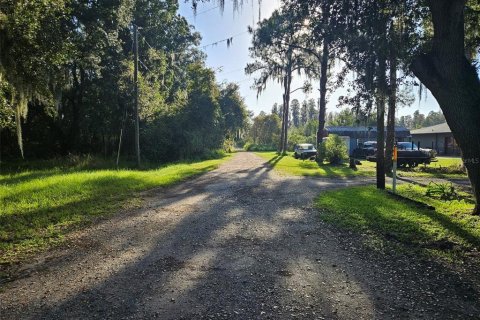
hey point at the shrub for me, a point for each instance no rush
(258, 147)
(228, 145)
(452, 169)
(335, 149)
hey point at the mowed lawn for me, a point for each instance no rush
(446, 228)
(289, 165)
(444, 167)
(39, 207)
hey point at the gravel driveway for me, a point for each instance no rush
(240, 242)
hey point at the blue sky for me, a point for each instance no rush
(230, 62)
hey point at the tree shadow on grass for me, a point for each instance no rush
(52, 218)
(385, 220)
(274, 161)
(236, 253)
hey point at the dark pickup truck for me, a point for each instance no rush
(409, 155)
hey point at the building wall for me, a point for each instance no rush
(437, 141)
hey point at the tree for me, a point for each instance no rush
(274, 47)
(434, 118)
(295, 112)
(28, 74)
(304, 113)
(346, 117)
(266, 129)
(418, 119)
(453, 80)
(275, 110)
(233, 109)
(71, 62)
(312, 110)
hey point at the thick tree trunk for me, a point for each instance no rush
(454, 82)
(392, 99)
(381, 123)
(323, 92)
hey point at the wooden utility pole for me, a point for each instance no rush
(135, 80)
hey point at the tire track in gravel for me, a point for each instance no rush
(240, 242)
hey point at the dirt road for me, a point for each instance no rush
(240, 242)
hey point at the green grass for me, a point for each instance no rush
(448, 231)
(446, 162)
(289, 165)
(445, 167)
(40, 206)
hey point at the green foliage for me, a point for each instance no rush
(321, 153)
(335, 149)
(259, 147)
(444, 167)
(72, 63)
(228, 145)
(233, 109)
(287, 164)
(443, 191)
(419, 120)
(265, 130)
(390, 220)
(451, 169)
(40, 206)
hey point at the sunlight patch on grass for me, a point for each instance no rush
(449, 229)
(39, 207)
(444, 167)
(289, 165)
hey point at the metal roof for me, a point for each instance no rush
(439, 128)
(360, 129)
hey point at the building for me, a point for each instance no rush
(438, 137)
(361, 134)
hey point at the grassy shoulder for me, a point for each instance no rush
(289, 165)
(444, 167)
(448, 230)
(40, 206)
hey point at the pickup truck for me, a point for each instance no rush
(409, 155)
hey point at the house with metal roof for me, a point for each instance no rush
(438, 137)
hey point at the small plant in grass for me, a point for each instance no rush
(444, 191)
(335, 149)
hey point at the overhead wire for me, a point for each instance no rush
(202, 12)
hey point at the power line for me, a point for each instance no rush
(191, 16)
(143, 64)
(228, 40)
(232, 71)
(202, 12)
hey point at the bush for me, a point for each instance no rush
(452, 169)
(321, 153)
(335, 150)
(258, 147)
(228, 145)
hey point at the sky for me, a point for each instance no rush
(230, 62)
